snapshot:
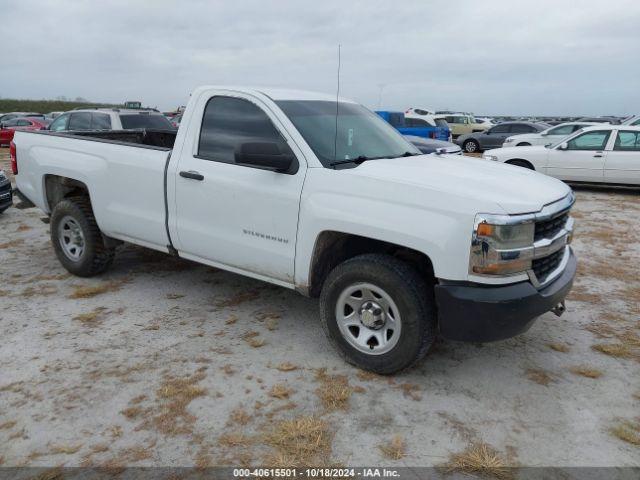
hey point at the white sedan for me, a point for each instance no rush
(546, 137)
(595, 154)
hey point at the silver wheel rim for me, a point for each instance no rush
(368, 318)
(71, 238)
(471, 147)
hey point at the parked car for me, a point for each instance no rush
(415, 126)
(10, 116)
(596, 154)
(260, 182)
(8, 128)
(6, 193)
(545, 137)
(496, 135)
(429, 145)
(419, 111)
(175, 121)
(462, 124)
(633, 121)
(53, 115)
(485, 121)
(110, 119)
(611, 120)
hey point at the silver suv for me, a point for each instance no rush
(110, 119)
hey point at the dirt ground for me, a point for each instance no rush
(165, 362)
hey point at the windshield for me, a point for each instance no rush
(361, 133)
(145, 121)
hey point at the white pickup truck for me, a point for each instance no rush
(322, 196)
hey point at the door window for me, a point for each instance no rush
(500, 129)
(627, 141)
(230, 122)
(521, 128)
(100, 121)
(589, 141)
(80, 121)
(563, 130)
(415, 122)
(59, 123)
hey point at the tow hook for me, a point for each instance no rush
(559, 309)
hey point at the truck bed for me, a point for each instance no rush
(160, 139)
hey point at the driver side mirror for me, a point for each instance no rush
(563, 146)
(264, 155)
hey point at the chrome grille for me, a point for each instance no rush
(549, 228)
(542, 267)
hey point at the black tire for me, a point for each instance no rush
(2, 210)
(521, 163)
(96, 257)
(409, 292)
(523, 144)
(471, 146)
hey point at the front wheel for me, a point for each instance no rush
(378, 313)
(471, 146)
(77, 240)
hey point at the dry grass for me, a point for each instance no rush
(410, 390)
(11, 243)
(240, 416)
(334, 390)
(286, 367)
(231, 320)
(238, 299)
(7, 425)
(627, 431)
(586, 371)
(65, 449)
(92, 318)
(539, 376)
(175, 395)
(132, 412)
(619, 350)
(559, 347)
(280, 391)
(300, 442)
(88, 291)
(174, 296)
(234, 439)
(256, 342)
(368, 376)
(395, 449)
(479, 459)
(40, 290)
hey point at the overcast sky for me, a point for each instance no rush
(489, 57)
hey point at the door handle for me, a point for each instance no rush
(598, 155)
(192, 174)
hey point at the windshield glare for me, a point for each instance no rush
(360, 133)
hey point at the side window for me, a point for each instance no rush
(589, 141)
(450, 119)
(23, 123)
(636, 123)
(10, 123)
(59, 124)
(228, 123)
(80, 121)
(100, 121)
(522, 128)
(500, 129)
(563, 130)
(627, 141)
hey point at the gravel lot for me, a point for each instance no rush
(166, 362)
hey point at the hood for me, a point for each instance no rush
(514, 189)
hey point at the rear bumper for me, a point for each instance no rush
(480, 313)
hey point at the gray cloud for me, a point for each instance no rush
(547, 57)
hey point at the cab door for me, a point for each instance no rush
(582, 160)
(622, 163)
(236, 216)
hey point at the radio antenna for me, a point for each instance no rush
(335, 141)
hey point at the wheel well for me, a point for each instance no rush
(333, 248)
(521, 162)
(523, 144)
(58, 188)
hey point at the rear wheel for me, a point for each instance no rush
(471, 146)
(521, 163)
(378, 313)
(77, 240)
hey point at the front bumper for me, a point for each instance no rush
(485, 313)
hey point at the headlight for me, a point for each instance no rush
(508, 140)
(500, 246)
(490, 157)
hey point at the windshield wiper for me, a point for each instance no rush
(408, 154)
(359, 159)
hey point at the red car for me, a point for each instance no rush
(8, 128)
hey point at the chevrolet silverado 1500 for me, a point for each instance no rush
(322, 196)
